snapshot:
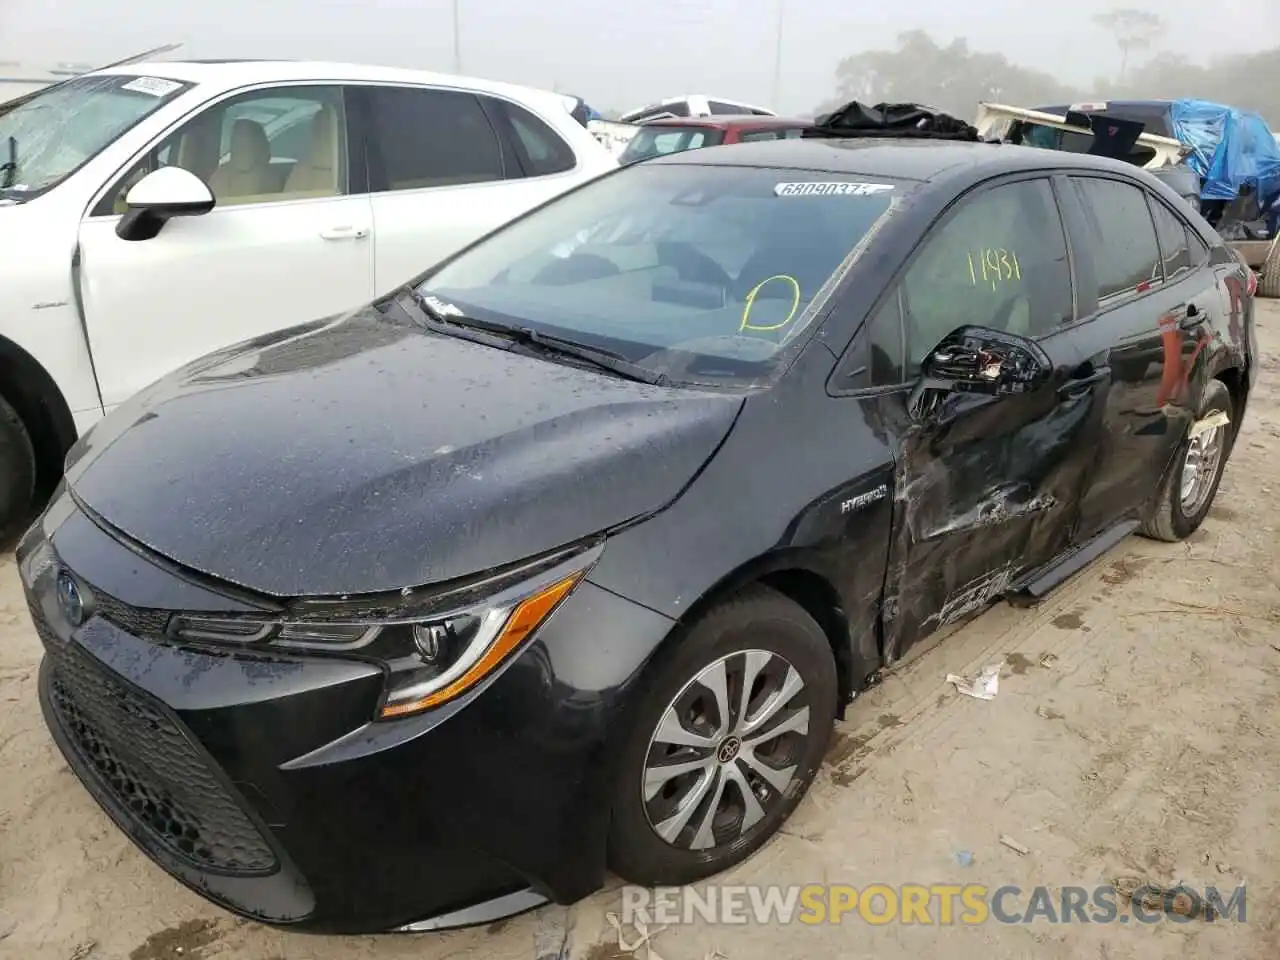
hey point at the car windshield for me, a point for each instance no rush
(703, 273)
(654, 141)
(45, 139)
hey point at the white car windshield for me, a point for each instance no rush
(46, 138)
(703, 273)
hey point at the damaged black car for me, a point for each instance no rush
(565, 557)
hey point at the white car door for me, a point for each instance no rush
(289, 239)
(448, 166)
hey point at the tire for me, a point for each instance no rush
(17, 473)
(757, 629)
(1171, 519)
(1269, 282)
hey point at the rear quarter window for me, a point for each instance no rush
(541, 150)
(1175, 241)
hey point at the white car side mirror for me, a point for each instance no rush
(159, 197)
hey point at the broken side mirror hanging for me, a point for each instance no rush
(982, 361)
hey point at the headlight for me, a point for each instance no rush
(435, 648)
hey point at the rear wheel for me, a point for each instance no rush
(17, 472)
(1192, 480)
(728, 736)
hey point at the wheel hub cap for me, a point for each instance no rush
(729, 750)
(726, 750)
(1199, 468)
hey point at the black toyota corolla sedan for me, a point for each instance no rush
(565, 557)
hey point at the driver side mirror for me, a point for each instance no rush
(159, 197)
(982, 361)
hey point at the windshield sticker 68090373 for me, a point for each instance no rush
(839, 188)
(154, 86)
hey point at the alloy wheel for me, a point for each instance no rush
(1199, 468)
(726, 750)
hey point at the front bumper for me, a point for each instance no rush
(260, 781)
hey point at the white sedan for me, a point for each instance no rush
(153, 213)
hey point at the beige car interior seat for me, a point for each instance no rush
(247, 172)
(319, 173)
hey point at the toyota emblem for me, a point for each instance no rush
(70, 601)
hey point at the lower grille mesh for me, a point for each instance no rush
(141, 757)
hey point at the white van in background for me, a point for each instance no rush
(693, 105)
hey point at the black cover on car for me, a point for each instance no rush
(856, 119)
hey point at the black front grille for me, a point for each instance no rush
(136, 752)
(148, 624)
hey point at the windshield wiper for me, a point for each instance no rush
(9, 169)
(527, 336)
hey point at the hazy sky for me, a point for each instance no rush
(617, 54)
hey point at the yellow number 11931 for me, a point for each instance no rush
(994, 265)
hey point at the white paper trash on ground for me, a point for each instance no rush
(984, 686)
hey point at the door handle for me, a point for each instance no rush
(1189, 318)
(344, 233)
(1078, 386)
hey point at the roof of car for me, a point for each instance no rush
(668, 101)
(897, 159)
(234, 73)
(725, 121)
(1155, 105)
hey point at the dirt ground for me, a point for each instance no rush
(1135, 733)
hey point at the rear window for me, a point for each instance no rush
(1155, 120)
(655, 141)
(1068, 141)
(775, 133)
(677, 108)
(703, 273)
(542, 151)
(1155, 117)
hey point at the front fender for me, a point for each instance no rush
(38, 305)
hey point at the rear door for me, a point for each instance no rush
(448, 166)
(984, 488)
(1146, 299)
(288, 240)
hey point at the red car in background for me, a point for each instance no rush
(676, 134)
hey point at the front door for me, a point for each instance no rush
(288, 240)
(985, 487)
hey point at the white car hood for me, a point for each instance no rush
(15, 220)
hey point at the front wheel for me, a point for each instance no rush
(728, 735)
(17, 472)
(1191, 482)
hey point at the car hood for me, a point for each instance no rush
(363, 456)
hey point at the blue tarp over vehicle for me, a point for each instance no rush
(1230, 148)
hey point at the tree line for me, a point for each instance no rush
(953, 77)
